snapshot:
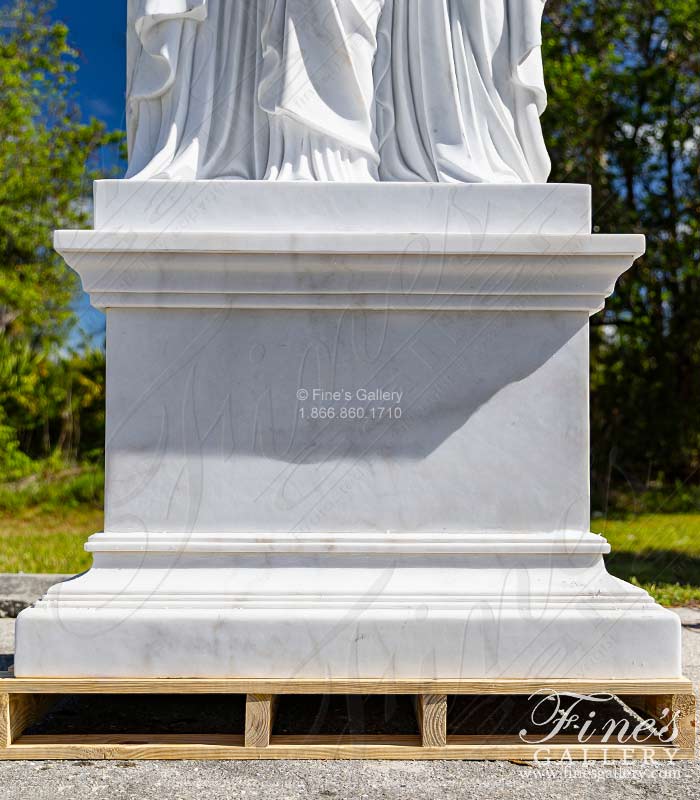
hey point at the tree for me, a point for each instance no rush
(46, 168)
(624, 115)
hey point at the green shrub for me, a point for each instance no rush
(70, 488)
(14, 464)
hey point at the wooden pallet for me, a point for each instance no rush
(23, 701)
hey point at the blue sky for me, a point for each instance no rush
(98, 32)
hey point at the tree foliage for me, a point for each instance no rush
(624, 116)
(46, 154)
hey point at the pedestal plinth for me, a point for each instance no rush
(347, 436)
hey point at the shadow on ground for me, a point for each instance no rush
(656, 566)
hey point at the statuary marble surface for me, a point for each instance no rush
(415, 210)
(336, 90)
(338, 451)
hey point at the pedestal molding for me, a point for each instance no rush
(349, 271)
(487, 543)
(85, 243)
(419, 604)
(337, 302)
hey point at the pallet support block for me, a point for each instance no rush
(666, 708)
(5, 734)
(431, 711)
(19, 712)
(259, 718)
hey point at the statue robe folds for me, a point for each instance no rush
(279, 89)
(193, 68)
(336, 90)
(318, 89)
(460, 90)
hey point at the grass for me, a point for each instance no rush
(45, 523)
(48, 543)
(660, 552)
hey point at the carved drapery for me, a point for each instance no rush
(337, 90)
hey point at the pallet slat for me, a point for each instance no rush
(394, 748)
(13, 685)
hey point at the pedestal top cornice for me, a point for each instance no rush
(372, 247)
(371, 272)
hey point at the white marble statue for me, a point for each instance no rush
(337, 90)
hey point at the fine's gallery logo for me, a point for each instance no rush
(595, 719)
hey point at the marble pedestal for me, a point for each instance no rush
(347, 437)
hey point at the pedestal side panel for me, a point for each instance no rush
(346, 421)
